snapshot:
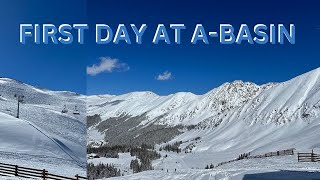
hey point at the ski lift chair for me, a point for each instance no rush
(64, 110)
(76, 111)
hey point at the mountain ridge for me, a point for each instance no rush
(223, 98)
(288, 107)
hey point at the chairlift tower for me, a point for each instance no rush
(20, 100)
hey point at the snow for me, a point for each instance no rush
(282, 167)
(235, 118)
(42, 137)
(94, 136)
(20, 136)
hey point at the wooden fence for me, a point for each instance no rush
(269, 154)
(308, 157)
(24, 172)
(276, 153)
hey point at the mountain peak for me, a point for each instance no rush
(315, 73)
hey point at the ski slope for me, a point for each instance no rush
(21, 136)
(273, 168)
(43, 137)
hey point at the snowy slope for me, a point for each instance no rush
(18, 135)
(42, 136)
(280, 168)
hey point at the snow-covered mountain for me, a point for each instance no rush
(43, 137)
(270, 103)
(234, 118)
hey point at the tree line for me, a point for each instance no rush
(172, 147)
(102, 171)
(144, 155)
(144, 158)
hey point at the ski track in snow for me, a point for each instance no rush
(62, 148)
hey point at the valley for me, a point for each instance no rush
(230, 120)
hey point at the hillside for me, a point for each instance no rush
(42, 137)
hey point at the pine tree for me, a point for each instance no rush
(211, 166)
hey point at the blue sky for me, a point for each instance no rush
(55, 67)
(200, 68)
(196, 68)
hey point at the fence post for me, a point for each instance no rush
(77, 176)
(16, 170)
(312, 156)
(278, 153)
(44, 174)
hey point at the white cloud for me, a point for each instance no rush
(164, 76)
(106, 64)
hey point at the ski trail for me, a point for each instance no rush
(55, 142)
